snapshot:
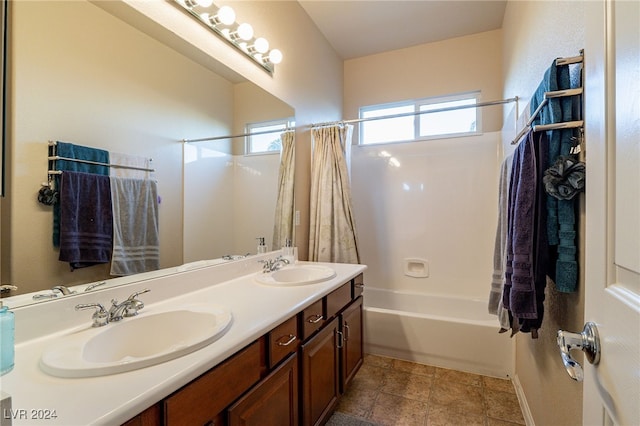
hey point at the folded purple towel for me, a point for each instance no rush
(86, 221)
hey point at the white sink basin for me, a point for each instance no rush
(297, 275)
(137, 342)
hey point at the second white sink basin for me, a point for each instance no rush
(141, 341)
(297, 275)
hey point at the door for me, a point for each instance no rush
(612, 276)
(352, 353)
(273, 402)
(320, 375)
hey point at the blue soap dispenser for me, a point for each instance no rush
(7, 330)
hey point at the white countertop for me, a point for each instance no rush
(114, 399)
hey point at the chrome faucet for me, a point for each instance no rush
(62, 289)
(271, 265)
(128, 308)
(58, 290)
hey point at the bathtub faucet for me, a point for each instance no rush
(271, 265)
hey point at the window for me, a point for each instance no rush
(264, 137)
(406, 125)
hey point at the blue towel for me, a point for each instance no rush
(69, 150)
(560, 221)
(86, 221)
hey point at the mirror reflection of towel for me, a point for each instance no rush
(136, 243)
(129, 165)
(78, 152)
(86, 221)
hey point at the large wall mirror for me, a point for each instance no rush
(80, 74)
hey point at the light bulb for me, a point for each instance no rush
(275, 56)
(245, 31)
(261, 45)
(226, 15)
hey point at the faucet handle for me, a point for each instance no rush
(100, 316)
(62, 290)
(133, 305)
(138, 293)
(132, 308)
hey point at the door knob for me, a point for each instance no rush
(587, 341)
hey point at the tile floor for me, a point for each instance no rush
(393, 392)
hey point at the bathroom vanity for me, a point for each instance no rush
(286, 358)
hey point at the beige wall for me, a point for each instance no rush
(456, 65)
(536, 32)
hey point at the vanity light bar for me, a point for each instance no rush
(222, 22)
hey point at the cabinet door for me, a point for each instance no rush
(320, 375)
(352, 350)
(273, 402)
(201, 401)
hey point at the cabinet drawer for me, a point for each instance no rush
(312, 319)
(338, 299)
(283, 340)
(203, 399)
(358, 286)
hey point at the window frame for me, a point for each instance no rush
(417, 104)
(287, 123)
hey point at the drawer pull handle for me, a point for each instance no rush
(291, 337)
(359, 285)
(314, 319)
(347, 331)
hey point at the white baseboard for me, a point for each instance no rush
(522, 400)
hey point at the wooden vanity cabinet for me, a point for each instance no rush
(295, 374)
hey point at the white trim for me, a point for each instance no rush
(522, 400)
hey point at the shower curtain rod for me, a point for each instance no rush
(243, 135)
(407, 114)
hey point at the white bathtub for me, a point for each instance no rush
(446, 332)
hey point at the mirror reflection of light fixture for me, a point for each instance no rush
(222, 22)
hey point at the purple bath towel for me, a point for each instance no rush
(519, 290)
(86, 221)
(527, 245)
